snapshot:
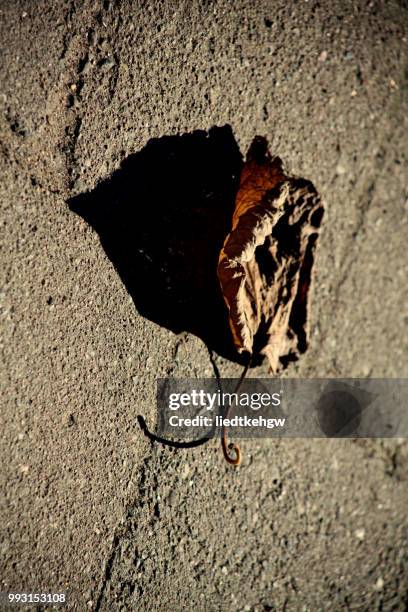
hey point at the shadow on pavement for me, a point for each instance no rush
(162, 218)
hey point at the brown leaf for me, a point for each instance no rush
(266, 263)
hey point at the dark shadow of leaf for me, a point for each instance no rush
(162, 219)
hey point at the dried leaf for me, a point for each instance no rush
(265, 265)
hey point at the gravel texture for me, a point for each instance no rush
(89, 504)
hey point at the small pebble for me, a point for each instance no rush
(340, 170)
(106, 64)
(379, 584)
(360, 534)
(186, 471)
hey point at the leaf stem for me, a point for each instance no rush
(227, 448)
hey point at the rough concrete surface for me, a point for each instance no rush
(89, 505)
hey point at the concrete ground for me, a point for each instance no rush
(89, 505)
